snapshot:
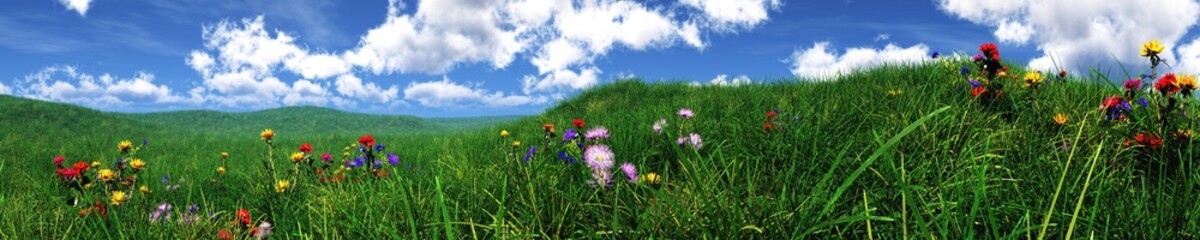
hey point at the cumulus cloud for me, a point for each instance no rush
(722, 80)
(726, 14)
(66, 84)
(79, 6)
(821, 62)
(1079, 34)
(352, 86)
(4, 89)
(448, 94)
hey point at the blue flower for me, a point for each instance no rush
(1144, 102)
(166, 179)
(567, 158)
(378, 147)
(393, 159)
(145, 142)
(569, 135)
(529, 154)
(193, 208)
(965, 70)
(935, 54)
(358, 162)
(974, 83)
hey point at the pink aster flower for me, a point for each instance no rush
(686, 113)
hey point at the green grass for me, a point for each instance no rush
(931, 162)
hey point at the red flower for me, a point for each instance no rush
(103, 210)
(244, 216)
(67, 173)
(577, 122)
(306, 148)
(990, 50)
(225, 235)
(977, 91)
(82, 167)
(1111, 102)
(58, 161)
(1166, 84)
(367, 140)
(771, 115)
(768, 127)
(1148, 140)
(1062, 74)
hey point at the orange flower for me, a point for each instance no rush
(1061, 119)
(548, 127)
(267, 134)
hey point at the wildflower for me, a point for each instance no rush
(662, 122)
(1133, 84)
(977, 57)
(95, 164)
(516, 144)
(82, 167)
(1166, 84)
(598, 157)
(379, 147)
(990, 50)
(1062, 74)
(267, 134)
(596, 133)
(630, 171)
(1033, 79)
(1061, 119)
(297, 157)
(106, 175)
(532, 150)
(685, 113)
(974, 83)
(975, 92)
(162, 212)
(377, 164)
(243, 215)
(1151, 48)
(358, 162)
(569, 135)
(67, 173)
(935, 55)
(393, 159)
(1115, 107)
(1142, 101)
(767, 126)
(137, 164)
(124, 145)
(326, 157)
(578, 123)
(367, 140)
(221, 170)
(224, 234)
(548, 127)
(1186, 83)
(965, 70)
(263, 230)
(117, 198)
(651, 178)
(58, 161)
(695, 140)
(282, 185)
(772, 114)
(224, 155)
(895, 92)
(503, 133)
(306, 148)
(567, 158)
(144, 189)
(1148, 140)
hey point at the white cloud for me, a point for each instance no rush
(305, 92)
(564, 79)
(734, 13)
(448, 94)
(722, 80)
(65, 84)
(80, 6)
(819, 62)
(4, 89)
(882, 37)
(317, 66)
(1079, 34)
(352, 86)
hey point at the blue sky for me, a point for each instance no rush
(472, 58)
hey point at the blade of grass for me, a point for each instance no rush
(1083, 193)
(1061, 179)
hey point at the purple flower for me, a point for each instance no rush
(596, 133)
(379, 147)
(567, 158)
(686, 113)
(145, 142)
(166, 179)
(601, 178)
(193, 209)
(358, 162)
(162, 212)
(965, 70)
(695, 140)
(569, 135)
(532, 150)
(681, 140)
(974, 83)
(598, 157)
(935, 55)
(1144, 102)
(264, 230)
(658, 126)
(977, 57)
(378, 164)
(393, 159)
(326, 157)
(630, 171)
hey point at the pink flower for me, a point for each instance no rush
(630, 171)
(686, 113)
(658, 126)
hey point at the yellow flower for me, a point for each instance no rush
(267, 134)
(1033, 79)
(1184, 135)
(1186, 82)
(297, 156)
(124, 145)
(1002, 74)
(137, 163)
(516, 144)
(224, 155)
(145, 189)
(504, 133)
(95, 164)
(88, 186)
(118, 197)
(221, 170)
(651, 178)
(1061, 119)
(1152, 47)
(895, 92)
(282, 186)
(106, 175)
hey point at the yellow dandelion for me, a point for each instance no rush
(651, 178)
(221, 170)
(1186, 82)
(95, 164)
(516, 144)
(145, 189)
(124, 145)
(118, 197)
(282, 186)
(106, 175)
(1151, 48)
(1033, 79)
(504, 133)
(297, 157)
(267, 134)
(224, 155)
(137, 164)
(1061, 119)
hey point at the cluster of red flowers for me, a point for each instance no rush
(767, 126)
(1166, 85)
(1147, 140)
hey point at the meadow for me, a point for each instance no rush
(954, 148)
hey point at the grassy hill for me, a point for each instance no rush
(894, 152)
